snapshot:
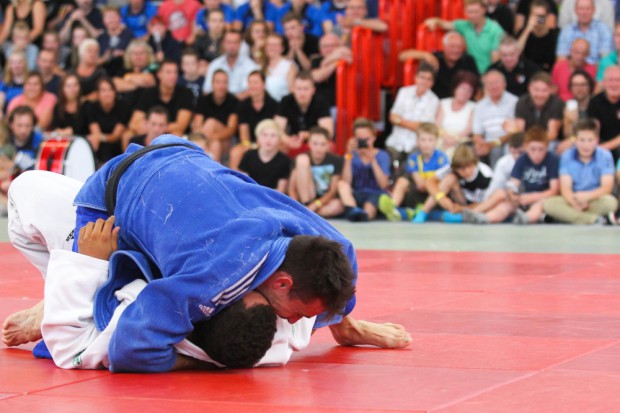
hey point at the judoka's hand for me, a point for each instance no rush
(99, 239)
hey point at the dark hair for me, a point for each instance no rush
(168, 62)
(108, 80)
(581, 72)
(219, 72)
(62, 99)
(587, 124)
(540, 3)
(237, 337)
(23, 110)
(259, 73)
(536, 134)
(426, 67)
(542, 76)
(320, 270)
(318, 130)
(516, 140)
(464, 76)
(290, 16)
(158, 110)
(305, 75)
(188, 51)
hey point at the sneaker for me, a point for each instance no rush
(420, 217)
(473, 217)
(450, 218)
(606, 220)
(357, 215)
(406, 214)
(521, 218)
(388, 208)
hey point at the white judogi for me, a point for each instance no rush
(41, 220)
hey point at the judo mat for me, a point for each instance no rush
(492, 332)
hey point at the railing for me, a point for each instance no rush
(409, 69)
(451, 9)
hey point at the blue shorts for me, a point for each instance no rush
(361, 197)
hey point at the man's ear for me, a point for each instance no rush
(281, 281)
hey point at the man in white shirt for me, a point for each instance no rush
(237, 66)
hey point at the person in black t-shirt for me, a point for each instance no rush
(86, 15)
(267, 165)
(517, 69)
(208, 44)
(524, 8)
(605, 109)
(156, 124)
(250, 111)
(216, 117)
(446, 63)
(324, 66)
(164, 45)
(66, 120)
(501, 14)
(176, 99)
(300, 111)
(191, 78)
(537, 39)
(300, 46)
(107, 119)
(315, 176)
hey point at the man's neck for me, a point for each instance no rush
(258, 99)
(191, 77)
(584, 26)
(496, 99)
(612, 99)
(266, 155)
(231, 61)
(585, 159)
(165, 90)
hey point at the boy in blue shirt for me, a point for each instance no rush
(423, 164)
(586, 181)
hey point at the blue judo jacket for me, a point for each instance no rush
(208, 233)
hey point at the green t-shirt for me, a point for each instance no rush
(480, 45)
(610, 60)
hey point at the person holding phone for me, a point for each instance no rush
(365, 175)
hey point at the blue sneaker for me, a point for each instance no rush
(451, 218)
(357, 215)
(420, 217)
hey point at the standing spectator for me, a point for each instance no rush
(413, 105)
(176, 99)
(255, 39)
(586, 181)
(20, 42)
(208, 43)
(301, 46)
(163, 43)
(482, 35)
(517, 69)
(67, 121)
(255, 10)
(447, 63)
(37, 98)
(365, 174)
(315, 176)
(46, 64)
(106, 118)
(190, 74)
(493, 118)
(253, 109)
(540, 107)
(524, 10)
(312, 17)
(612, 58)
(594, 31)
(299, 112)
(14, 78)
(537, 38)
(604, 108)
(31, 12)
(156, 125)
(267, 165)
(178, 17)
(581, 87)
(564, 68)
(86, 15)
(113, 41)
(502, 14)
(216, 117)
(356, 15)
(139, 67)
(24, 137)
(280, 72)
(237, 66)
(88, 69)
(324, 66)
(603, 12)
(136, 16)
(455, 114)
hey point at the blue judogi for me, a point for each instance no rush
(211, 233)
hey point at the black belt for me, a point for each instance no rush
(111, 185)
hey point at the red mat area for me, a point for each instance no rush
(492, 333)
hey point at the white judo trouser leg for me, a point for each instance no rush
(41, 215)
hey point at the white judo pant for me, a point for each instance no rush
(41, 221)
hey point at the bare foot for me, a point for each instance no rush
(23, 327)
(351, 332)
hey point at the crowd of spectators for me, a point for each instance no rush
(253, 82)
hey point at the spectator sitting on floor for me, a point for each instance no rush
(423, 166)
(267, 165)
(365, 174)
(586, 181)
(315, 176)
(503, 167)
(447, 62)
(413, 105)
